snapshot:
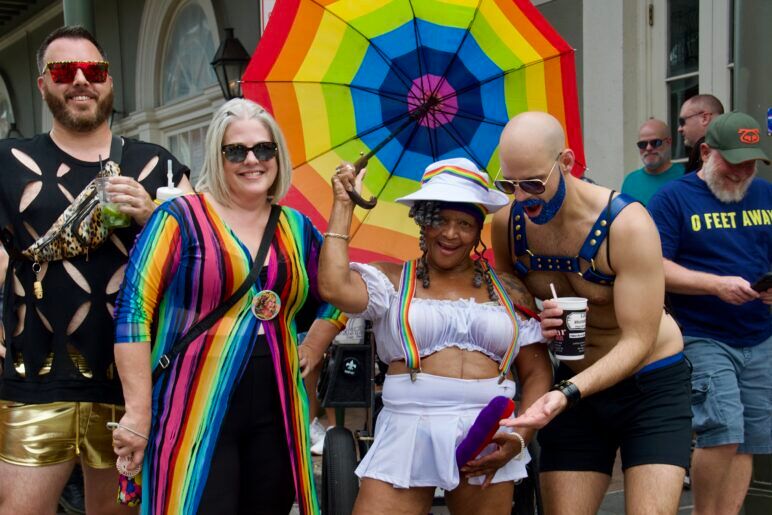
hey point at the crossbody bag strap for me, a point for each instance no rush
(205, 323)
(116, 149)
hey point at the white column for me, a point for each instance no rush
(614, 47)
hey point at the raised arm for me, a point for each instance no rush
(338, 285)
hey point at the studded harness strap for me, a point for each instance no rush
(568, 264)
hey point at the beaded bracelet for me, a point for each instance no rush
(522, 445)
(336, 235)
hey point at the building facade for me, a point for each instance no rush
(635, 59)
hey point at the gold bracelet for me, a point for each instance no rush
(336, 235)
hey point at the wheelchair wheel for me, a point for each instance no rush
(340, 485)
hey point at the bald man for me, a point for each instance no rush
(631, 391)
(696, 114)
(655, 146)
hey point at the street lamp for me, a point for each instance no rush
(229, 63)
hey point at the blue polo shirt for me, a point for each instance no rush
(701, 233)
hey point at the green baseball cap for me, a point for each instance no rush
(736, 136)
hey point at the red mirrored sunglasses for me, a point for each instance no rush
(63, 72)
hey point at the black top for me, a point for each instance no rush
(60, 347)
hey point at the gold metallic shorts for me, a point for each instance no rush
(35, 435)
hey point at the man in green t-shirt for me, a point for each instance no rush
(654, 144)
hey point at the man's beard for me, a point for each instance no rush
(79, 122)
(714, 182)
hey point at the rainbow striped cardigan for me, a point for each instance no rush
(185, 261)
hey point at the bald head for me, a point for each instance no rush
(530, 141)
(658, 128)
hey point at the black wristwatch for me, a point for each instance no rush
(570, 390)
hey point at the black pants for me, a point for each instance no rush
(250, 471)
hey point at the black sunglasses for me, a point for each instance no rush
(530, 186)
(237, 153)
(682, 119)
(655, 143)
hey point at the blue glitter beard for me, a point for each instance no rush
(549, 209)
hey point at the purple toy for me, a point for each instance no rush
(484, 428)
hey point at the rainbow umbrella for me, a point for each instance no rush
(412, 81)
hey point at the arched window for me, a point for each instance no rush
(6, 111)
(189, 49)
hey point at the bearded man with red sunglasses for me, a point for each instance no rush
(629, 391)
(59, 387)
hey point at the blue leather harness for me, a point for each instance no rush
(568, 264)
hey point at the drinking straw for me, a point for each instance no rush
(554, 293)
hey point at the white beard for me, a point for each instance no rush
(714, 182)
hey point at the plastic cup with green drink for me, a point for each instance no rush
(112, 216)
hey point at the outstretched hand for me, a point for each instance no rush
(540, 413)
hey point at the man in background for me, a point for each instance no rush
(655, 147)
(696, 114)
(716, 232)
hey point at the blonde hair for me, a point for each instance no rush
(212, 178)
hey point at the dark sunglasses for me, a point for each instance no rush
(63, 72)
(655, 143)
(530, 186)
(237, 153)
(682, 119)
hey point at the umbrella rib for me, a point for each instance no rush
(356, 136)
(400, 74)
(498, 76)
(468, 116)
(397, 97)
(443, 77)
(418, 46)
(458, 139)
(380, 191)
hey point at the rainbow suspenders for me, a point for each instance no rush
(407, 287)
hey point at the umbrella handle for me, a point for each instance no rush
(356, 197)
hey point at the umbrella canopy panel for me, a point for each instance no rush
(414, 80)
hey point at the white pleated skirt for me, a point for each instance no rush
(421, 425)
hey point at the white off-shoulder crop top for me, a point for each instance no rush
(438, 324)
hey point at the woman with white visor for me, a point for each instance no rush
(449, 329)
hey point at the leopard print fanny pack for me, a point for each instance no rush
(78, 229)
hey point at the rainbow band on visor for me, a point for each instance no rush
(478, 211)
(458, 172)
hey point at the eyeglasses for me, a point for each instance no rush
(655, 143)
(237, 153)
(682, 119)
(63, 72)
(530, 186)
